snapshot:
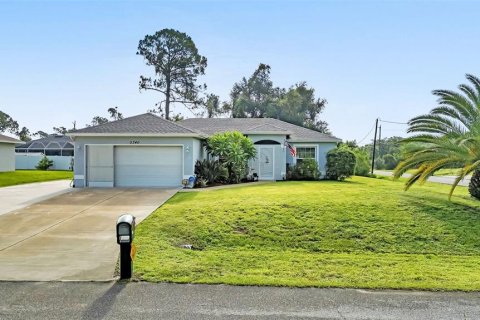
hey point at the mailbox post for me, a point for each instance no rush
(125, 235)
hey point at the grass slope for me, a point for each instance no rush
(29, 176)
(362, 233)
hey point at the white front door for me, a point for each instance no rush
(266, 163)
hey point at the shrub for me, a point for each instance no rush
(305, 170)
(233, 150)
(390, 161)
(340, 164)
(210, 171)
(362, 167)
(379, 164)
(44, 163)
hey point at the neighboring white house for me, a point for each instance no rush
(7, 153)
(149, 151)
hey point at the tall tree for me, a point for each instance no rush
(447, 136)
(177, 65)
(8, 124)
(60, 130)
(115, 114)
(41, 134)
(24, 134)
(212, 106)
(299, 106)
(252, 97)
(97, 120)
(257, 97)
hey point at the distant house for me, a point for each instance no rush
(149, 151)
(53, 145)
(58, 148)
(7, 153)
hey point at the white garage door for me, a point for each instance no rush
(148, 166)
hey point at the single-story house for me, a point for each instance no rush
(7, 153)
(149, 151)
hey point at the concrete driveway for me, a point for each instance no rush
(16, 197)
(70, 236)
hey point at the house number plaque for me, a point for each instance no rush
(134, 141)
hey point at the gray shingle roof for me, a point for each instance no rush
(7, 139)
(257, 125)
(146, 123)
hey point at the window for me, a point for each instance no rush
(306, 153)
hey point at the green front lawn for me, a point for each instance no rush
(365, 233)
(29, 176)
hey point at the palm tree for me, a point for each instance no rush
(448, 136)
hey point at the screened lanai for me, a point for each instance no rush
(53, 145)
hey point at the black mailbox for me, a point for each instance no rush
(125, 235)
(125, 229)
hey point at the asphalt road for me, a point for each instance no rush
(438, 179)
(137, 300)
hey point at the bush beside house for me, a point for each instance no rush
(233, 150)
(305, 170)
(340, 164)
(209, 172)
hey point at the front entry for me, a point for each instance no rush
(266, 163)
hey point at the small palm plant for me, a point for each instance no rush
(448, 136)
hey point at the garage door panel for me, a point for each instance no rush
(100, 165)
(148, 166)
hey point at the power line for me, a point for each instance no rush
(366, 136)
(392, 122)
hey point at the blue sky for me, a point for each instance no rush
(66, 61)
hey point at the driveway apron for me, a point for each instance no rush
(71, 236)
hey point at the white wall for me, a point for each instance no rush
(24, 161)
(7, 157)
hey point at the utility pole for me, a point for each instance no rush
(380, 141)
(374, 144)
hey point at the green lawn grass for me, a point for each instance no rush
(365, 233)
(28, 176)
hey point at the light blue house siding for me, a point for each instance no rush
(321, 150)
(191, 148)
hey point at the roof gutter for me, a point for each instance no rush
(12, 142)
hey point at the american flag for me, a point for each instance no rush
(293, 150)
